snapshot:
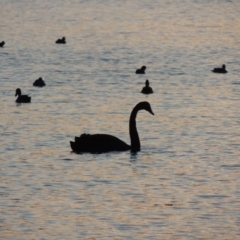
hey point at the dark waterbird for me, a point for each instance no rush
(147, 89)
(141, 70)
(100, 143)
(220, 70)
(61, 41)
(2, 44)
(22, 98)
(39, 83)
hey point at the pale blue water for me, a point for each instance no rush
(184, 184)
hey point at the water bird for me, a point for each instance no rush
(220, 70)
(101, 143)
(61, 41)
(22, 98)
(39, 83)
(2, 44)
(141, 70)
(147, 89)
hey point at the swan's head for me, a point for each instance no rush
(147, 83)
(223, 66)
(143, 67)
(63, 38)
(18, 92)
(146, 106)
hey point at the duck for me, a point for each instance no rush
(22, 98)
(141, 70)
(102, 143)
(39, 83)
(147, 89)
(220, 70)
(2, 44)
(61, 41)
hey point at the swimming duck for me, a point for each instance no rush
(22, 98)
(39, 83)
(2, 44)
(100, 143)
(147, 89)
(61, 41)
(220, 70)
(141, 70)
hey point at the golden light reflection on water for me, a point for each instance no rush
(184, 182)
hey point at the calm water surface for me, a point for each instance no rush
(184, 184)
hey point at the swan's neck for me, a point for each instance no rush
(135, 141)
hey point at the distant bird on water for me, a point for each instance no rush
(2, 44)
(147, 89)
(61, 41)
(101, 143)
(39, 83)
(22, 98)
(141, 70)
(220, 70)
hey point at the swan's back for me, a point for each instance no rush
(147, 90)
(23, 99)
(220, 70)
(39, 83)
(141, 70)
(98, 143)
(61, 41)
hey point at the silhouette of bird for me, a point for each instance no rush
(2, 44)
(220, 70)
(141, 70)
(22, 98)
(61, 41)
(147, 89)
(39, 83)
(100, 143)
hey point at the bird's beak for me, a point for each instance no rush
(150, 110)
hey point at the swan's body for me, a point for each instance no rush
(220, 70)
(141, 70)
(100, 143)
(147, 89)
(22, 98)
(39, 83)
(61, 41)
(2, 44)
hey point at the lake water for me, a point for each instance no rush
(184, 183)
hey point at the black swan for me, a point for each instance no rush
(61, 41)
(220, 70)
(22, 98)
(39, 83)
(147, 89)
(2, 44)
(141, 70)
(100, 143)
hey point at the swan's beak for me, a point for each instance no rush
(150, 110)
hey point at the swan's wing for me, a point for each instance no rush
(98, 143)
(39, 83)
(25, 99)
